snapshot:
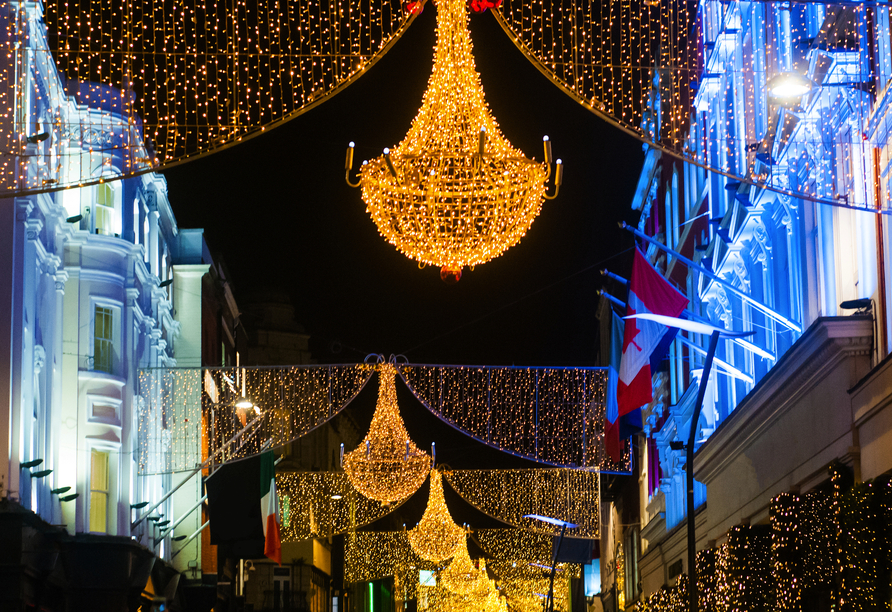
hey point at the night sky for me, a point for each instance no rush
(279, 212)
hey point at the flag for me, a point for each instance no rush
(654, 470)
(611, 425)
(269, 508)
(649, 292)
(241, 501)
(617, 428)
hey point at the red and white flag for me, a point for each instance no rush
(649, 292)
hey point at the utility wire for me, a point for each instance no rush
(518, 300)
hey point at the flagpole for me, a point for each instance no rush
(714, 333)
(207, 462)
(725, 366)
(728, 286)
(689, 471)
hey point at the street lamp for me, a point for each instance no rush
(563, 525)
(788, 85)
(714, 333)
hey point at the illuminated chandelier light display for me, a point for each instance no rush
(483, 596)
(454, 192)
(436, 537)
(462, 577)
(387, 466)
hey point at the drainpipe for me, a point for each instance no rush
(881, 257)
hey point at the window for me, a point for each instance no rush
(135, 224)
(632, 578)
(103, 340)
(105, 209)
(592, 575)
(145, 234)
(98, 491)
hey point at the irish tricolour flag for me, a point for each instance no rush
(243, 508)
(269, 508)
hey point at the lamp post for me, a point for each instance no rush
(713, 333)
(549, 604)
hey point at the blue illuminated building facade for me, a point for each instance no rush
(814, 385)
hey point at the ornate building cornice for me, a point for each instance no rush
(829, 341)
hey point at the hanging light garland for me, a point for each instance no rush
(509, 495)
(183, 412)
(371, 555)
(550, 415)
(166, 82)
(387, 466)
(322, 504)
(436, 537)
(454, 192)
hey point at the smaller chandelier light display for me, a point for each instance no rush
(461, 576)
(387, 466)
(436, 537)
(454, 192)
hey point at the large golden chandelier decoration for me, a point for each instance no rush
(454, 192)
(436, 537)
(387, 466)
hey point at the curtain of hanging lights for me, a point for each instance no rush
(168, 80)
(700, 80)
(195, 76)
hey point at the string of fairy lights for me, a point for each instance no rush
(323, 504)
(822, 548)
(551, 415)
(168, 82)
(664, 71)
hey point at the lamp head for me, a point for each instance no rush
(862, 304)
(243, 403)
(789, 85)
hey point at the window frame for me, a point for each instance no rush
(95, 493)
(114, 343)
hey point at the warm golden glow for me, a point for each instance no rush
(508, 495)
(387, 466)
(322, 504)
(436, 537)
(454, 192)
(461, 576)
